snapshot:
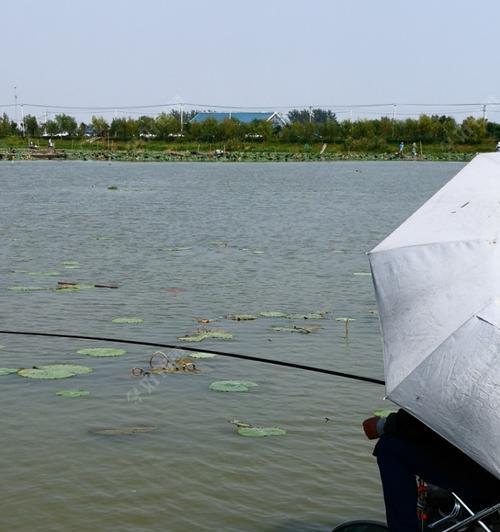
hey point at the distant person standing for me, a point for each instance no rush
(498, 146)
(401, 148)
(51, 144)
(414, 150)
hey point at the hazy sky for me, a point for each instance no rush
(262, 53)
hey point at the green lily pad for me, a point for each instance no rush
(73, 393)
(178, 248)
(102, 352)
(201, 354)
(112, 187)
(122, 431)
(130, 320)
(27, 288)
(8, 371)
(296, 329)
(44, 274)
(74, 287)
(232, 386)
(192, 338)
(273, 314)
(241, 317)
(54, 371)
(218, 334)
(200, 335)
(260, 432)
(319, 315)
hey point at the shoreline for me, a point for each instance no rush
(23, 154)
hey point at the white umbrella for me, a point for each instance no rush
(437, 284)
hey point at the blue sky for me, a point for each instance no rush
(263, 53)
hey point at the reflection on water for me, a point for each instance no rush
(184, 243)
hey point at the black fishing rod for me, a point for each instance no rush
(210, 351)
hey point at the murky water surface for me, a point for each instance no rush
(185, 242)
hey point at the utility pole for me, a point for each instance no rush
(484, 113)
(15, 104)
(182, 117)
(22, 120)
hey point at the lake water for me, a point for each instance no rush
(185, 242)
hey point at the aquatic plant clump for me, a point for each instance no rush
(8, 371)
(102, 352)
(260, 432)
(129, 320)
(54, 371)
(73, 393)
(232, 386)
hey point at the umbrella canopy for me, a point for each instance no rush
(437, 284)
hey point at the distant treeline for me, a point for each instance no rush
(302, 127)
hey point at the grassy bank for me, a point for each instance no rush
(16, 148)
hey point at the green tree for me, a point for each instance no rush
(100, 125)
(473, 130)
(66, 124)
(31, 127)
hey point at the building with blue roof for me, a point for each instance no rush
(244, 117)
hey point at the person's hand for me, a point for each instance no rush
(370, 427)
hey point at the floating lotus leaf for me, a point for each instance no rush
(258, 252)
(219, 334)
(200, 335)
(319, 315)
(73, 393)
(112, 187)
(273, 314)
(360, 274)
(70, 263)
(178, 248)
(296, 328)
(241, 317)
(54, 371)
(123, 431)
(102, 352)
(201, 354)
(44, 274)
(192, 338)
(8, 371)
(260, 432)
(231, 386)
(27, 288)
(130, 320)
(73, 287)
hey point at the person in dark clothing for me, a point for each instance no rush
(407, 448)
